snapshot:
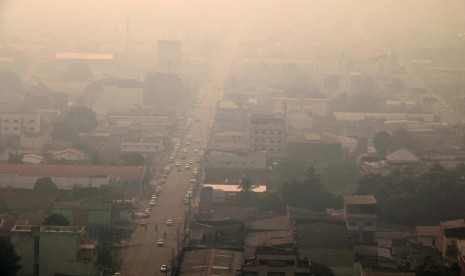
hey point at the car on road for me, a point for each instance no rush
(143, 222)
(177, 164)
(160, 242)
(146, 215)
(164, 268)
(169, 222)
(187, 167)
(196, 150)
(148, 210)
(183, 156)
(152, 203)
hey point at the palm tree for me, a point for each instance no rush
(246, 187)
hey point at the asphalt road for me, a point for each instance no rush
(143, 256)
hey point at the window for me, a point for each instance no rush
(255, 132)
(32, 121)
(279, 141)
(271, 132)
(15, 128)
(31, 128)
(271, 149)
(263, 140)
(255, 140)
(6, 121)
(279, 132)
(15, 121)
(271, 141)
(6, 128)
(263, 132)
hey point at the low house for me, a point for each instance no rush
(211, 261)
(427, 235)
(54, 250)
(66, 176)
(402, 157)
(68, 154)
(361, 216)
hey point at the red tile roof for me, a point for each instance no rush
(128, 173)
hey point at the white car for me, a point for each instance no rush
(143, 222)
(163, 268)
(160, 242)
(152, 203)
(187, 167)
(169, 222)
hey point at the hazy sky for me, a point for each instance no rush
(105, 20)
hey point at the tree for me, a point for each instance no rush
(308, 193)
(364, 102)
(381, 142)
(56, 219)
(133, 159)
(10, 82)
(246, 187)
(14, 158)
(45, 184)
(78, 119)
(8, 258)
(77, 72)
(402, 138)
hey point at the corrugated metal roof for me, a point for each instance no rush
(128, 173)
(84, 56)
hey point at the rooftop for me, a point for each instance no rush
(83, 56)
(359, 199)
(211, 262)
(126, 173)
(235, 188)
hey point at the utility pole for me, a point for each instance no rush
(177, 237)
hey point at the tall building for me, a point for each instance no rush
(169, 56)
(268, 133)
(54, 250)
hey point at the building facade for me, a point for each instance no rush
(361, 217)
(18, 123)
(312, 106)
(54, 250)
(232, 160)
(268, 133)
(274, 261)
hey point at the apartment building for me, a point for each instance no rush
(268, 133)
(19, 123)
